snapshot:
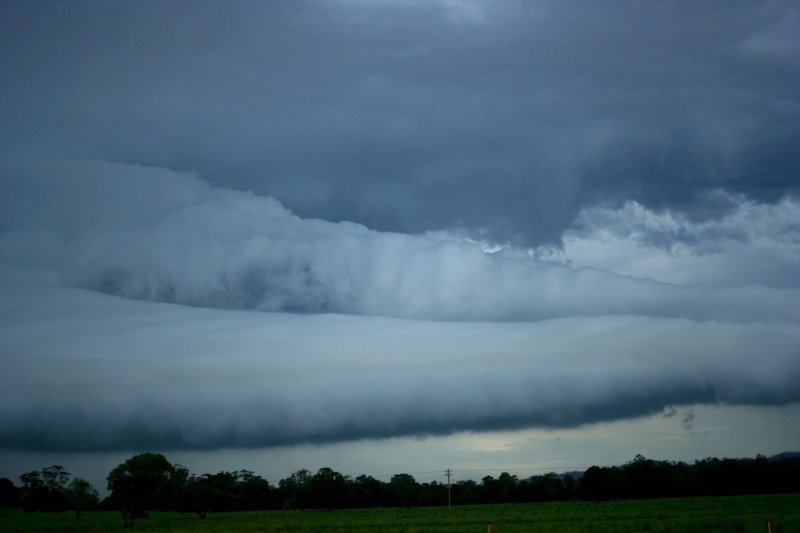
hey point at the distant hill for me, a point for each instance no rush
(576, 475)
(785, 455)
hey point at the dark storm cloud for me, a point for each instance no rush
(150, 234)
(640, 158)
(504, 118)
(89, 371)
(112, 374)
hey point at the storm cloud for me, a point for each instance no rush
(272, 223)
(108, 373)
(150, 234)
(499, 118)
(289, 336)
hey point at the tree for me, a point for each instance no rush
(43, 490)
(602, 483)
(255, 490)
(169, 498)
(9, 493)
(465, 492)
(225, 491)
(81, 496)
(570, 487)
(403, 490)
(433, 493)
(327, 489)
(294, 489)
(136, 482)
(366, 491)
(491, 489)
(200, 495)
(509, 485)
(32, 490)
(643, 477)
(55, 477)
(548, 488)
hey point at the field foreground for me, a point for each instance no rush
(707, 515)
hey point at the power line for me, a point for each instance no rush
(453, 471)
(535, 468)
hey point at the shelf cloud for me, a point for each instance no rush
(256, 224)
(89, 372)
(215, 318)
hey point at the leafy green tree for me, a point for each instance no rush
(9, 493)
(81, 496)
(433, 493)
(508, 487)
(255, 491)
(570, 487)
(550, 487)
(403, 490)
(225, 491)
(294, 489)
(228, 496)
(43, 490)
(465, 492)
(31, 484)
(490, 489)
(366, 491)
(602, 483)
(55, 477)
(169, 499)
(135, 483)
(327, 489)
(199, 495)
(643, 478)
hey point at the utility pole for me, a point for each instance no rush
(448, 473)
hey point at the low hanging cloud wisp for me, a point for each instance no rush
(754, 244)
(150, 234)
(146, 309)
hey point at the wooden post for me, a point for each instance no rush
(769, 525)
(448, 473)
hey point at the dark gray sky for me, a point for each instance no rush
(504, 118)
(261, 225)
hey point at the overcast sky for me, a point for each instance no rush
(386, 234)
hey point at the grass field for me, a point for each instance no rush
(686, 515)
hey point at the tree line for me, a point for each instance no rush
(646, 478)
(149, 482)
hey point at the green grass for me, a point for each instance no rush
(740, 514)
